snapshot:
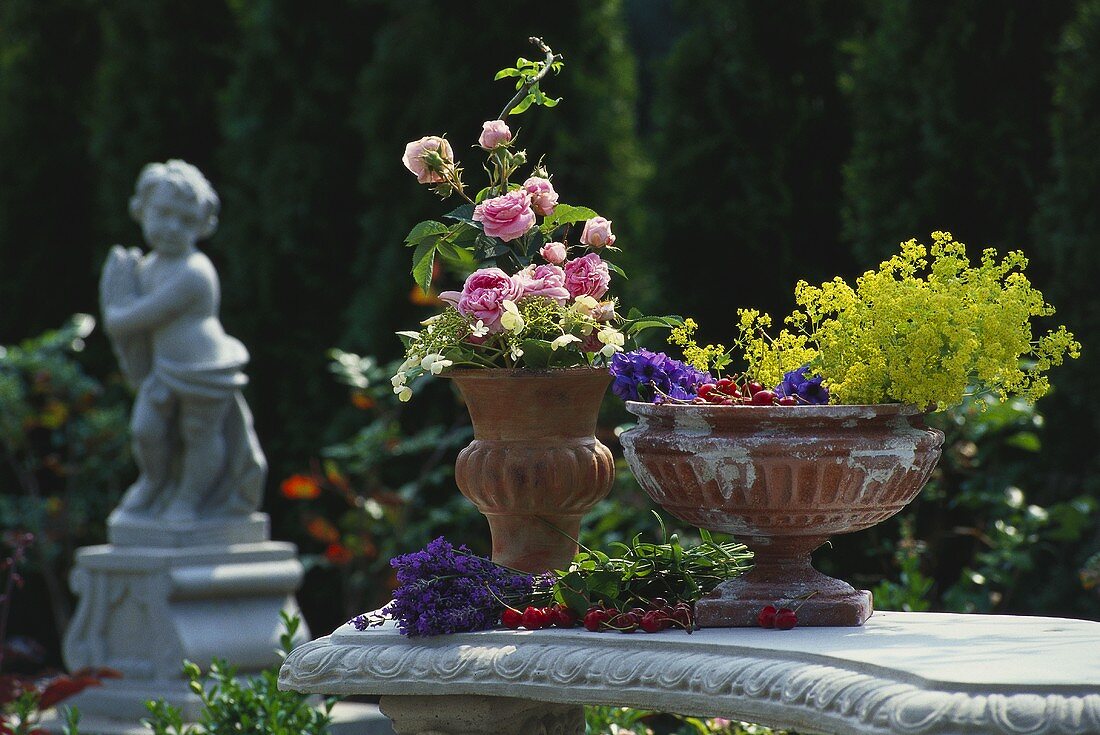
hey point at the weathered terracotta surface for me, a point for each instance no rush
(783, 479)
(534, 455)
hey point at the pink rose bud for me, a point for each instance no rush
(494, 134)
(507, 217)
(543, 196)
(587, 276)
(597, 233)
(427, 158)
(553, 252)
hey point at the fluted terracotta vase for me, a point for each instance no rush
(535, 464)
(783, 479)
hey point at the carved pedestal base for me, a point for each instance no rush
(143, 610)
(479, 715)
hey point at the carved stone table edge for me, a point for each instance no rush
(777, 690)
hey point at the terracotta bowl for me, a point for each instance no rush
(784, 479)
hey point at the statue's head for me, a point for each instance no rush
(171, 195)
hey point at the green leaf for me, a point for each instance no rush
(604, 584)
(423, 262)
(511, 72)
(537, 354)
(486, 247)
(424, 231)
(550, 102)
(465, 213)
(616, 270)
(523, 105)
(566, 213)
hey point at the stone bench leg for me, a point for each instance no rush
(479, 715)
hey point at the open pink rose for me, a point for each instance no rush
(597, 233)
(427, 157)
(494, 133)
(587, 276)
(544, 280)
(543, 196)
(553, 252)
(507, 217)
(483, 296)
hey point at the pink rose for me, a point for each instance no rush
(494, 134)
(506, 217)
(427, 157)
(543, 196)
(483, 296)
(544, 280)
(553, 252)
(597, 233)
(587, 276)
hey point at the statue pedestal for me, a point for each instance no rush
(143, 609)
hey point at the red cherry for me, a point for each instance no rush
(766, 617)
(534, 618)
(594, 619)
(511, 618)
(704, 389)
(763, 397)
(754, 388)
(653, 622)
(786, 619)
(724, 384)
(788, 401)
(624, 622)
(564, 617)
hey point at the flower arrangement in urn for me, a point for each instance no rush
(527, 338)
(822, 432)
(537, 290)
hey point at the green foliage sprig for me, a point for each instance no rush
(633, 574)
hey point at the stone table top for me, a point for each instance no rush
(908, 673)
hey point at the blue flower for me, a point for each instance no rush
(643, 375)
(807, 390)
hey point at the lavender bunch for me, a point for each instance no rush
(443, 589)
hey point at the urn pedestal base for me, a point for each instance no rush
(783, 576)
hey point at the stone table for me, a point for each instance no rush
(906, 673)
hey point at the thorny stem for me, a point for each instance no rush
(546, 64)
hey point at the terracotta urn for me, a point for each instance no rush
(535, 466)
(783, 479)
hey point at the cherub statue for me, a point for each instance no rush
(193, 439)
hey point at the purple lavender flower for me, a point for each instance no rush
(807, 390)
(642, 375)
(442, 589)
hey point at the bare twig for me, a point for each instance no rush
(547, 63)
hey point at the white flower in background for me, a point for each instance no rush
(410, 361)
(398, 380)
(404, 393)
(517, 352)
(564, 340)
(511, 319)
(612, 339)
(435, 363)
(479, 329)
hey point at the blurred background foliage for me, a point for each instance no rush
(737, 145)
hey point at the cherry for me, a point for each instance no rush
(754, 388)
(654, 622)
(704, 390)
(766, 617)
(594, 619)
(763, 397)
(788, 401)
(563, 617)
(624, 622)
(511, 618)
(785, 619)
(534, 618)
